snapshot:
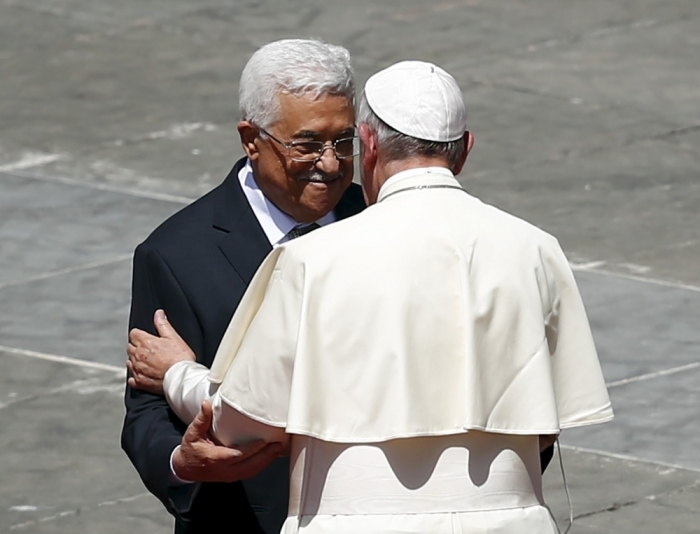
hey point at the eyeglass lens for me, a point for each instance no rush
(309, 150)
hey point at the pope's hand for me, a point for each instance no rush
(151, 356)
(199, 459)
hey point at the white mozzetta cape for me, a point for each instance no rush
(430, 313)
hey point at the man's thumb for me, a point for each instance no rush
(163, 326)
(202, 423)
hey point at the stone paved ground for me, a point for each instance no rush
(113, 115)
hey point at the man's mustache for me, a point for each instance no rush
(320, 176)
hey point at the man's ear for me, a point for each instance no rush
(368, 159)
(248, 133)
(468, 144)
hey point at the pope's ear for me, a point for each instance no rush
(248, 133)
(369, 146)
(468, 144)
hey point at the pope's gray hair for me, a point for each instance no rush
(296, 67)
(396, 146)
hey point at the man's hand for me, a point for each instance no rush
(199, 459)
(151, 356)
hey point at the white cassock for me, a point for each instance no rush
(414, 353)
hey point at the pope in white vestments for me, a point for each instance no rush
(413, 354)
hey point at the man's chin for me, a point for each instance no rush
(320, 199)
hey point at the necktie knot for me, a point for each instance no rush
(301, 229)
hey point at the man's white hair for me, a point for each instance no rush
(296, 67)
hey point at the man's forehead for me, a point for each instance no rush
(311, 99)
(308, 115)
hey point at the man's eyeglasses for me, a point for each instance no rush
(312, 151)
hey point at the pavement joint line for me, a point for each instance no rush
(174, 132)
(677, 131)
(636, 278)
(630, 458)
(68, 270)
(68, 513)
(153, 195)
(70, 386)
(63, 359)
(656, 374)
(29, 160)
(613, 508)
(652, 497)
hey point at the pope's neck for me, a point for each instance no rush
(386, 170)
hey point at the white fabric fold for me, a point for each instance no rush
(430, 313)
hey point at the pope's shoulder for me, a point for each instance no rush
(498, 220)
(462, 220)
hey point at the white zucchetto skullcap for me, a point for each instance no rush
(418, 99)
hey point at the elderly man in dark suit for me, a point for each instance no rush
(297, 130)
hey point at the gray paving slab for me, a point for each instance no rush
(677, 512)
(88, 89)
(62, 470)
(82, 314)
(140, 513)
(186, 160)
(602, 485)
(524, 129)
(25, 379)
(640, 328)
(654, 69)
(655, 420)
(47, 227)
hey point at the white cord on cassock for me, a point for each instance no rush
(566, 490)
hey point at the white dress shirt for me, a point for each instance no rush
(275, 223)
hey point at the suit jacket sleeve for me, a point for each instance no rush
(151, 429)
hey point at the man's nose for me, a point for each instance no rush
(328, 162)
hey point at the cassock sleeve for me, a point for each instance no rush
(579, 385)
(186, 386)
(255, 360)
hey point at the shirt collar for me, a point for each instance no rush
(397, 180)
(274, 222)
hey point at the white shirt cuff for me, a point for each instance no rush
(176, 478)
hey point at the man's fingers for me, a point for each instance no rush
(251, 448)
(163, 326)
(252, 465)
(137, 336)
(132, 352)
(199, 428)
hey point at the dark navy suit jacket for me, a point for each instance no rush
(196, 266)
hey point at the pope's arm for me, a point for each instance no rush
(576, 372)
(187, 384)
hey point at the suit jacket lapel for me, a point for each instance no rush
(244, 242)
(351, 203)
